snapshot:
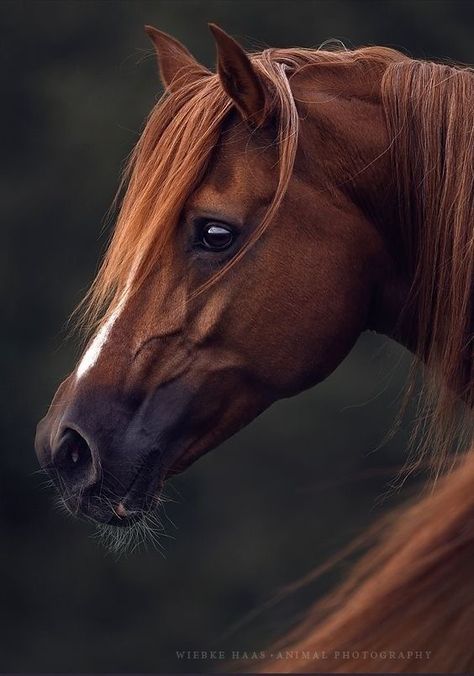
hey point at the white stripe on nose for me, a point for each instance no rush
(92, 353)
(90, 356)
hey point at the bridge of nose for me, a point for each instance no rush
(143, 325)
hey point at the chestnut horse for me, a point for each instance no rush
(273, 211)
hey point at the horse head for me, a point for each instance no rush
(252, 248)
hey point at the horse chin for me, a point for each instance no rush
(144, 530)
(134, 522)
(128, 521)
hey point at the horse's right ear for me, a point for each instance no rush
(239, 78)
(176, 64)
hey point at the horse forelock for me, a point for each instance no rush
(171, 157)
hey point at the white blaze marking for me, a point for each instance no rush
(91, 355)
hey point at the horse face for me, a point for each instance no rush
(182, 364)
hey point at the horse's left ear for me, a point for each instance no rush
(239, 78)
(176, 64)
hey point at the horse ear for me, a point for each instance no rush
(239, 78)
(176, 64)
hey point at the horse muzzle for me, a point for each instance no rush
(110, 449)
(107, 455)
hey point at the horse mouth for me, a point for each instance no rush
(141, 497)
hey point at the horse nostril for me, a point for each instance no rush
(73, 459)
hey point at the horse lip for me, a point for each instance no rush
(142, 483)
(143, 492)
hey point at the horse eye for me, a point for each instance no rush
(217, 237)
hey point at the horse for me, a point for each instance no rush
(270, 213)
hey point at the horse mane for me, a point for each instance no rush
(430, 119)
(408, 604)
(171, 157)
(415, 586)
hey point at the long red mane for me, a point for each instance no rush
(408, 604)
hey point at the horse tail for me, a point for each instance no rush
(409, 603)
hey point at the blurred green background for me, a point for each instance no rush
(270, 504)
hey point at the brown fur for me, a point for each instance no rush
(350, 182)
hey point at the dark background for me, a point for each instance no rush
(274, 501)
